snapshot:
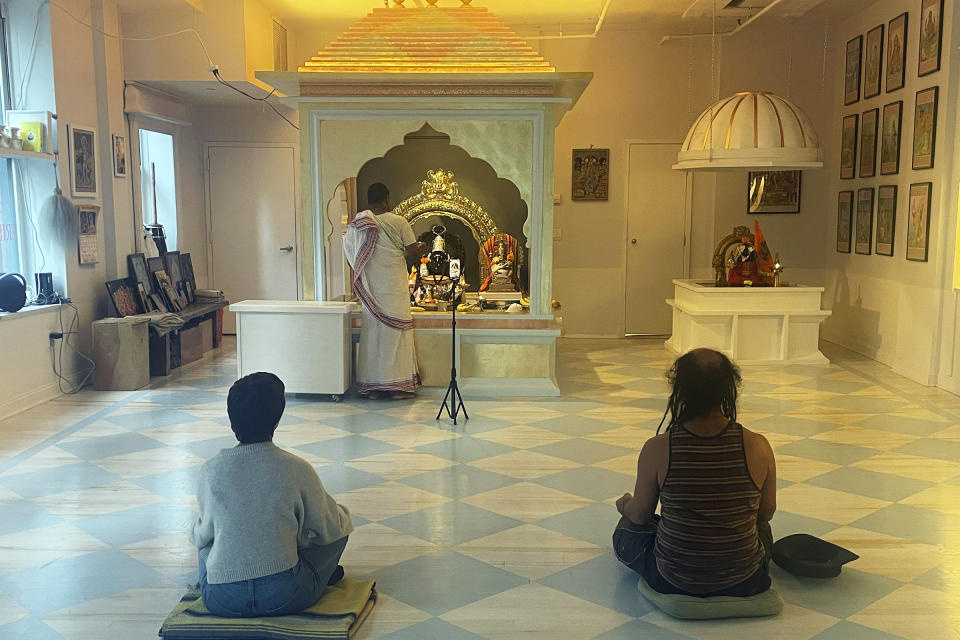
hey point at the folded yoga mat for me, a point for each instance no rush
(338, 615)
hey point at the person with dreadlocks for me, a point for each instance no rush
(716, 484)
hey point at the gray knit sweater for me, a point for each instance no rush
(258, 505)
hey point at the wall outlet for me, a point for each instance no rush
(557, 198)
(557, 233)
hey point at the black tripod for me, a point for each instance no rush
(453, 391)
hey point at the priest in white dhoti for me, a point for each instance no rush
(376, 244)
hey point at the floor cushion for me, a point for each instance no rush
(336, 616)
(768, 603)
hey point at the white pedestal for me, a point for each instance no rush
(761, 324)
(306, 343)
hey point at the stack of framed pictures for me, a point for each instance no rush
(165, 283)
(871, 139)
(124, 298)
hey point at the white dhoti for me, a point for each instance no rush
(374, 247)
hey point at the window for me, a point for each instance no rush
(10, 236)
(158, 183)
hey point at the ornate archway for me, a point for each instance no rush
(440, 195)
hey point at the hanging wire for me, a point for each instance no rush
(826, 48)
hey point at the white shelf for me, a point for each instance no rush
(7, 152)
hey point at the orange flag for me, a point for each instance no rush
(764, 259)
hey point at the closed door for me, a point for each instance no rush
(252, 195)
(656, 237)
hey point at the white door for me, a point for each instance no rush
(252, 195)
(657, 213)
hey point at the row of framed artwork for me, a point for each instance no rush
(165, 283)
(924, 138)
(856, 227)
(84, 182)
(928, 56)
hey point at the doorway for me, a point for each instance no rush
(252, 204)
(658, 219)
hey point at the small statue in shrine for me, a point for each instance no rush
(500, 253)
(743, 270)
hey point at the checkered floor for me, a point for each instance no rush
(499, 528)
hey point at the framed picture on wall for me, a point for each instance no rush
(851, 83)
(88, 240)
(848, 147)
(83, 161)
(868, 143)
(591, 174)
(890, 138)
(897, 52)
(773, 192)
(873, 62)
(844, 221)
(918, 221)
(119, 157)
(864, 221)
(886, 219)
(925, 128)
(931, 36)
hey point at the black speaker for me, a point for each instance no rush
(44, 284)
(13, 292)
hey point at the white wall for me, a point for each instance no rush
(645, 91)
(85, 77)
(889, 308)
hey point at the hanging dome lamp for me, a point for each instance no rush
(755, 130)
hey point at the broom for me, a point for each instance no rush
(58, 215)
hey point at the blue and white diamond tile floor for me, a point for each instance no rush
(500, 528)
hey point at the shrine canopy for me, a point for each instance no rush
(428, 40)
(465, 52)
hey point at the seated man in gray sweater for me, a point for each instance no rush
(269, 537)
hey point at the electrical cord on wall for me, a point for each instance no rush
(56, 354)
(210, 64)
(216, 74)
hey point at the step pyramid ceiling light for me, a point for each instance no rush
(755, 130)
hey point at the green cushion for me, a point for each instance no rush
(768, 603)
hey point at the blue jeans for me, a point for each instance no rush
(278, 594)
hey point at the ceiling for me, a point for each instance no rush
(575, 16)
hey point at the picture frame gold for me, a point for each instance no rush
(591, 174)
(897, 30)
(886, 220)
(890, 138)
(863, 225)
(925, 128)
(873, 62)
(844, 221)
(851, 82)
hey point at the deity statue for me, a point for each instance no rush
(500, 253)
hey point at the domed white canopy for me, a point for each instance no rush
(751, 130)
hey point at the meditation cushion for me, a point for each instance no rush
(768, 603)
(810, 557)
(336, 616)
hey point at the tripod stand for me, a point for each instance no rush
(453, 391)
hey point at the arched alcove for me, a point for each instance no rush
(404, 167)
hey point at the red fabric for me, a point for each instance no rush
(764, 259)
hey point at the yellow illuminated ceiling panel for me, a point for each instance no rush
(428, 40)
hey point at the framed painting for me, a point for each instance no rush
(124, 297)
(864, 221)
(119, 157)
(868, 143)
(137, 266)
(918, 222)
(897, 52)
(851, 82)
(88, 240)
(155, 264)
(873, 62)
(886, 219)
(848, 147)
(925, 128)
(773, 192)
(844, 221)
(159, 303)
(931, 36)
(83, 161)
(189, 279)
(890, 138)
(591, 174)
